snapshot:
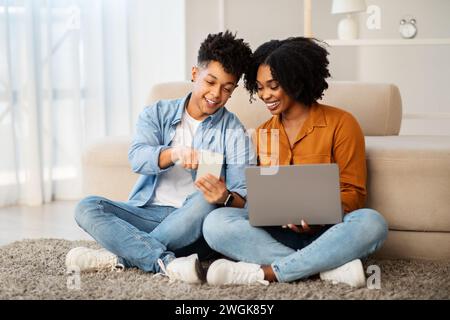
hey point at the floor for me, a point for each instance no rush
(53, 220)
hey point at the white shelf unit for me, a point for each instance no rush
(388, 42)
(427, 120)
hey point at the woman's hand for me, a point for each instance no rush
(303, 227)
(214, 190)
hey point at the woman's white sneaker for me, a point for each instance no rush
(223, 271)
(86, 259)
(185, 269)
(351, 273)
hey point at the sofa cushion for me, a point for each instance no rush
(376, 106)
(106, 170)
(409, 181)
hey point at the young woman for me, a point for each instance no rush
(289, 76)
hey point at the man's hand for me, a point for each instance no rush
(214, 190)
(186, 157)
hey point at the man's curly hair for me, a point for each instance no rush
(300, 65)
(233, 54)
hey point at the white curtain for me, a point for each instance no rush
(72, 72)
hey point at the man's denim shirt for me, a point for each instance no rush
(221, 132)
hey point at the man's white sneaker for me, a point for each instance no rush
(223, 271)
(86, 259)
(351, 273)
(185, 269)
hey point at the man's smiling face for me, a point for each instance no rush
(212, 88)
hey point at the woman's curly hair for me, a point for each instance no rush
(233, 54)
(300, 65)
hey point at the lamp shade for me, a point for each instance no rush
(348, 6)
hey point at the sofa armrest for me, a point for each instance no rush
(408, 181)
(106, 170)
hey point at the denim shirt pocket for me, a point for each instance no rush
(170, 134)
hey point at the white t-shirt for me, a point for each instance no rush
(176, 184)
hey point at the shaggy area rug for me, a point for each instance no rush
(34, 269)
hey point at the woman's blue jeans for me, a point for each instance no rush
(294, 256)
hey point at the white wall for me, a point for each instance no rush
(202, 18)
(421, 72)
(256, 21)
(146, 48)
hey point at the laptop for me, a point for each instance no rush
(310, 192)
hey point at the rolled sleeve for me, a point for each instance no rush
(242, 191)
(147, 144)
(240, 154)
(349, 153)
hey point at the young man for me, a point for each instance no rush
(165, 211)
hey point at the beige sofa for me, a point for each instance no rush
(408, 176)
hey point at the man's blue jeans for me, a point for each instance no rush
(140, 236)
(294, 256)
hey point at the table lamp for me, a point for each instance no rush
(348, 26)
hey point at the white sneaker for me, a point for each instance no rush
(186, 269)
(351, 273)
(86, 259)
(223, 271)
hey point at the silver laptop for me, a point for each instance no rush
(310, 192)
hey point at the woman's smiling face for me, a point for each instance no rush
(270, 91)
